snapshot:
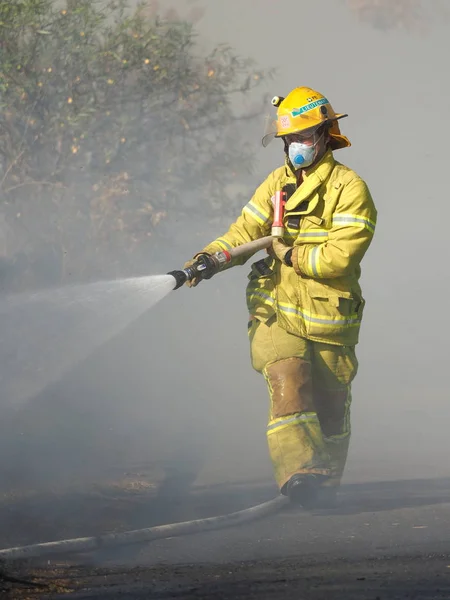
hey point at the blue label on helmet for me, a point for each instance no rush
(299, 111)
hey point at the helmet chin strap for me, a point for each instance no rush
(324, 149)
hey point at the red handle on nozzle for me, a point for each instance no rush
(279, 200)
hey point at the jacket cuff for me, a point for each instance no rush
(294, 258)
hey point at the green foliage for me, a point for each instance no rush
(108, 118)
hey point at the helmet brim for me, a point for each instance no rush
(272, 132)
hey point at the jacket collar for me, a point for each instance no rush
(312, 179)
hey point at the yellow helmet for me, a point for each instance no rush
(305, 109)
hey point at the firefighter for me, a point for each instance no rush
(304, 298)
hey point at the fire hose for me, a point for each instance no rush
(149, 534)
(76, 545)
(220, 260)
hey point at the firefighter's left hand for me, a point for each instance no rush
(193, 282)
(281, 251)
(211, 268)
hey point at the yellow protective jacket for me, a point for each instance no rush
(330, 220)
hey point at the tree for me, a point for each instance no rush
(109, 122)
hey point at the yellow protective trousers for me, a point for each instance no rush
(309, 386)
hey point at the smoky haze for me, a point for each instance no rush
(177, 387)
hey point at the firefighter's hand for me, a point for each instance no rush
(210, 268)
(193, 282)
(281, 251)
(209, 263)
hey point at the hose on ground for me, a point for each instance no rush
(144, 535)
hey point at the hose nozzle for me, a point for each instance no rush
(180, 277)
(204, 267)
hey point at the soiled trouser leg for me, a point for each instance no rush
(294, 434)
(334, 368)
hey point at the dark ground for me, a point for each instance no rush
(387, 540)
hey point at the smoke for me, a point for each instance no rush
(177, 387)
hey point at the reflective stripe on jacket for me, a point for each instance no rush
(330, 221)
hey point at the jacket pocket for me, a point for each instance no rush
(331, 314)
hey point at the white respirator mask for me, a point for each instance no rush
(302, 155)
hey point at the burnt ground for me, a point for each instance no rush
(385, 540)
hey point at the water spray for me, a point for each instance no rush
(67, 322)
(207, 264)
